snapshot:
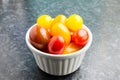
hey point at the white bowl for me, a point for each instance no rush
(59, 64)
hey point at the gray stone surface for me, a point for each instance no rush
(101, 16)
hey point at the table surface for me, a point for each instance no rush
(102, 59)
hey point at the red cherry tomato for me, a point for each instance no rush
(80, 37)
(56, 45)
(39, 37)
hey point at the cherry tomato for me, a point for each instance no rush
(74, 22)
(39, 37)
(60, 18)
(80, 37)
(62, 30)
(44, 21)
(56, 45)
(72, 47)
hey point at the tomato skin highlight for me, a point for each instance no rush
(80, 37)
(56, 45)
(39, 37)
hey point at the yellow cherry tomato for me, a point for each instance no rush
(62, 30)
(71, 48)
(44, 21)
(74, 22)
(60, 18)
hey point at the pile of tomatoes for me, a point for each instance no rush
(59, 35)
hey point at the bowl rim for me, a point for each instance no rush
(84, 49)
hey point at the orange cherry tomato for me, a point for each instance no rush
(62, 30)
(72, 47)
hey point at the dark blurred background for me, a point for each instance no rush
(101, 16)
